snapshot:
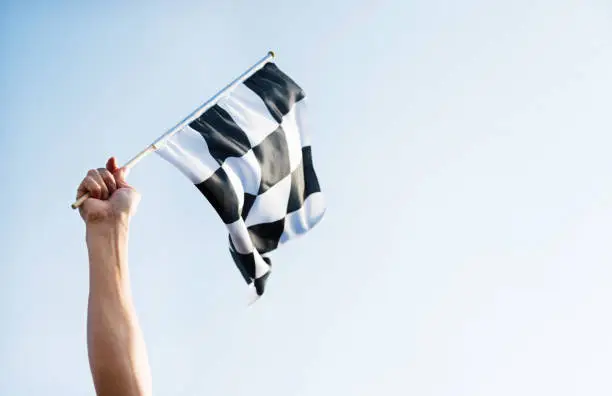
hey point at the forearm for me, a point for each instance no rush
(117, 354)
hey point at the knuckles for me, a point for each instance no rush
(100, 183)
(92, 187)
(120, 199)
(108, 178)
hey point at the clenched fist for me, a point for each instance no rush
(111, 198)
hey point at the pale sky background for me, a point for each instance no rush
(464, 149)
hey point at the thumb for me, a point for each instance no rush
(111, 165)
(119, 173)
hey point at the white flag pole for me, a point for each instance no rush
(159, 142)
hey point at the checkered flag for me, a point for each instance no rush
(250, 156)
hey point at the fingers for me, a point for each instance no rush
(103, 188)
(109, 180)
(99, 184)
(90, 186)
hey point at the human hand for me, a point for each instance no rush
(111, 198)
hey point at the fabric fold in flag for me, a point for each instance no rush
(250, 156)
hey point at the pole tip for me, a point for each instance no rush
(272, 54)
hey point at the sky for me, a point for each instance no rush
(464, 151)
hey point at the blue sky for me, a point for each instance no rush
(464, 149)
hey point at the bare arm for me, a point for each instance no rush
(117, 352)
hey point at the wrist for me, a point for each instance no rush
(118, 222)
(106, 231)
(107, 249)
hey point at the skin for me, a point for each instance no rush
(116, 348)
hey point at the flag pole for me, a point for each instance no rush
(159, 142)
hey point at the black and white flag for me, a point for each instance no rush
(250, 156)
